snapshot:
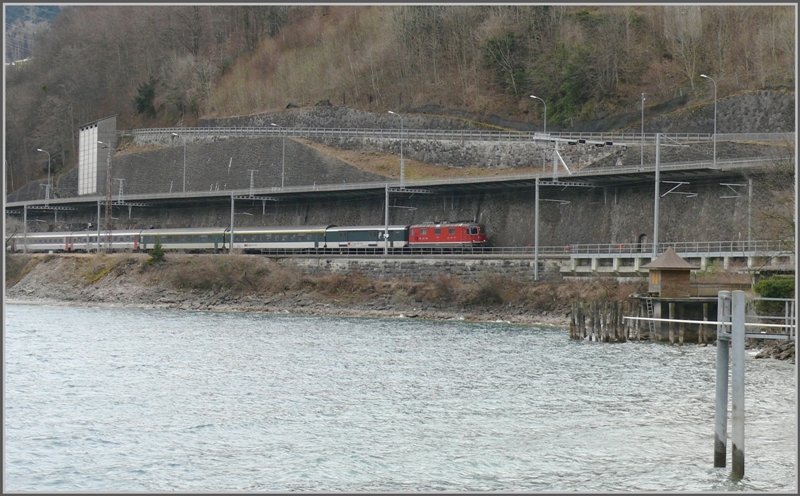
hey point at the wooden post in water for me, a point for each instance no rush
(721, 392)
(701, 331)
(572, 317)
(639, 313)
(737, 384)
(671, 325)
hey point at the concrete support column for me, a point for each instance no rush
(721, 394)
(703, 263)
(594, 264)
(637, 262)
(738, 357)
(726, 262)
(615, 264)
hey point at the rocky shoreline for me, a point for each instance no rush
(60, 281)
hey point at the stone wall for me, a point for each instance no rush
(466, 270)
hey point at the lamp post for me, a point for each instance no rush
(47, 188)
(402, 163)
(283, 153)
(715, 117)
(545, 112)
(641, 159)
(175, 135)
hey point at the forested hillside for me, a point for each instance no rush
(171, 65)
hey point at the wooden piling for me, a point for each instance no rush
(671, 325)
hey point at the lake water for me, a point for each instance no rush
(100, 400)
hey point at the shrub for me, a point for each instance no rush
(773, 287)
(489, 291)
(157, 253)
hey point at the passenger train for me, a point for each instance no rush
(257, 239)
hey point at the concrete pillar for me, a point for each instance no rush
(721, 393)
(726, 261)
(738, 357)
(615, 264)
(594, 264)
(637, 262)
(703, 263)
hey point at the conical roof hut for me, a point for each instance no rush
(670, 275)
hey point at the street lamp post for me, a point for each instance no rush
(49, 186)
(402, 163)
(183, 139)
(283, 153)
(641, 159)
(715, 117)
(545, 112)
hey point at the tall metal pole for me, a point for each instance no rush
(402, 162)
(183, 138)
(715, 116)
(536, 234)
(721, 392)
(48, 187)
(230, 247)
(107, 226)
(25, 228)
(641, 160)
(386, 222)
(737, 383)
(98, 226)
(656, 198)
(749, 209)
(283, 153)
(545, 112)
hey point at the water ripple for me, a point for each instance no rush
(109, 400)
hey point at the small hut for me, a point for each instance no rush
(669, 275)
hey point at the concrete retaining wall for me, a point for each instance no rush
(472, 271)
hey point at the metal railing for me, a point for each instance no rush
(452, 134)
(680, 247)
(633, 250)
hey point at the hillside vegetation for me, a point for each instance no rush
(172, 65)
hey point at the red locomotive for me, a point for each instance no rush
(446, 234)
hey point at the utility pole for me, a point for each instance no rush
(107, 221)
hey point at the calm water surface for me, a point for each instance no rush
(161, 400)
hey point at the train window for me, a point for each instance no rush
(423, 232)
(451, 231)
(437, 231)
(473, 230)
